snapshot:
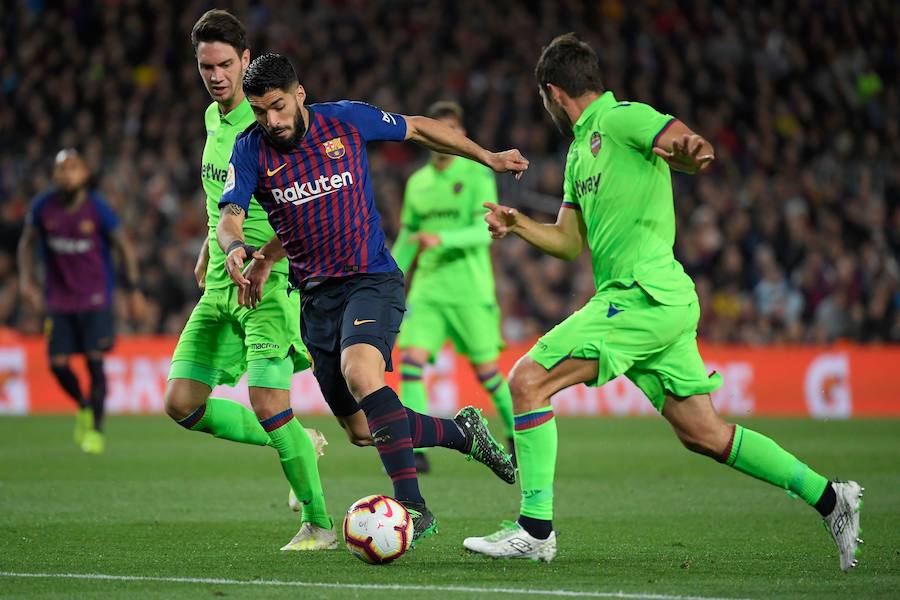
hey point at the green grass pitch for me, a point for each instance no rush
(636, 513)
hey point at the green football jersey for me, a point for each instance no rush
(624, 193)
(448, 203)
(221, 132)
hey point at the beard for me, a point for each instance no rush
(561, 120)
(288, 144)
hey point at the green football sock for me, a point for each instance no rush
(536, 441)
(412, 389)
(298, 461)
(498, 388)
(760, 457)
(227, 420)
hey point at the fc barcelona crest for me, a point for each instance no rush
(596, 142)
(334, 148)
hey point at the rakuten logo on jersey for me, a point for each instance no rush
(302, 192)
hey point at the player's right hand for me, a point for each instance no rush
(500, 219)
(257, 273)
(509, 161)
(234, 265)
(32, 296)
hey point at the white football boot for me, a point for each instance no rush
(843, 522)
(511, 541)
(319, 442)
(313, 537)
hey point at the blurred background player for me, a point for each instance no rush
(642, 321)
(308, 167)
(452, 292)
(223, 339)
(75, 229)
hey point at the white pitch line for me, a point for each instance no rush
(359, 586)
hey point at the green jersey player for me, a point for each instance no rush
(223, 339)
(442, 223)
(642, 322)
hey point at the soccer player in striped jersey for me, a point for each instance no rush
(308, 168)
(77, 230)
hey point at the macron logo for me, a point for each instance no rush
(302, 192)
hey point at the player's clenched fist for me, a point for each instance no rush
(500, 219)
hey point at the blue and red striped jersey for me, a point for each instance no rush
(318, 196)
(75, 245)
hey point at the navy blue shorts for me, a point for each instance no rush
(341, 312)
(80, 332)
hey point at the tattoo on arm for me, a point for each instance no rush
(234, 209)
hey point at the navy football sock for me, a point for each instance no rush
(98, 390)
(428, 431)
(389, 425)
(69, 383)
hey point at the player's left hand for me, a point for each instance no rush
(685, 155)
(509, 161)
(257, 273)
(500, 219)
(137, 306)
(425, 240)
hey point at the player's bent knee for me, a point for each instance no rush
(59, 361)
(362, 381)
(180, 401)
(269, 402)
(526, 384)
(709, 440)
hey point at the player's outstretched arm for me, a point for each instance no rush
(684, 150)
(438, 137)
(564, 239)
(230, 237)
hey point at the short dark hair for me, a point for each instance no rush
(218, 25)
(269, 72)
(569, 64)
(445, 108)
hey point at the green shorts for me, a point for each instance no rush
(221, 336)
(474, 329)
(628, 332)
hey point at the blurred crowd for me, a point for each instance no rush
(793, 236)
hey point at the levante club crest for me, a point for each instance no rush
(334, 148)
(596, 141)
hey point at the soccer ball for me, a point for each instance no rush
(377, 529)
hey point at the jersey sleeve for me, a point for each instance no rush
(109, 221)
(243, 171)
(33, 216)
(570, 200)
(373, 123)
(636, 125)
